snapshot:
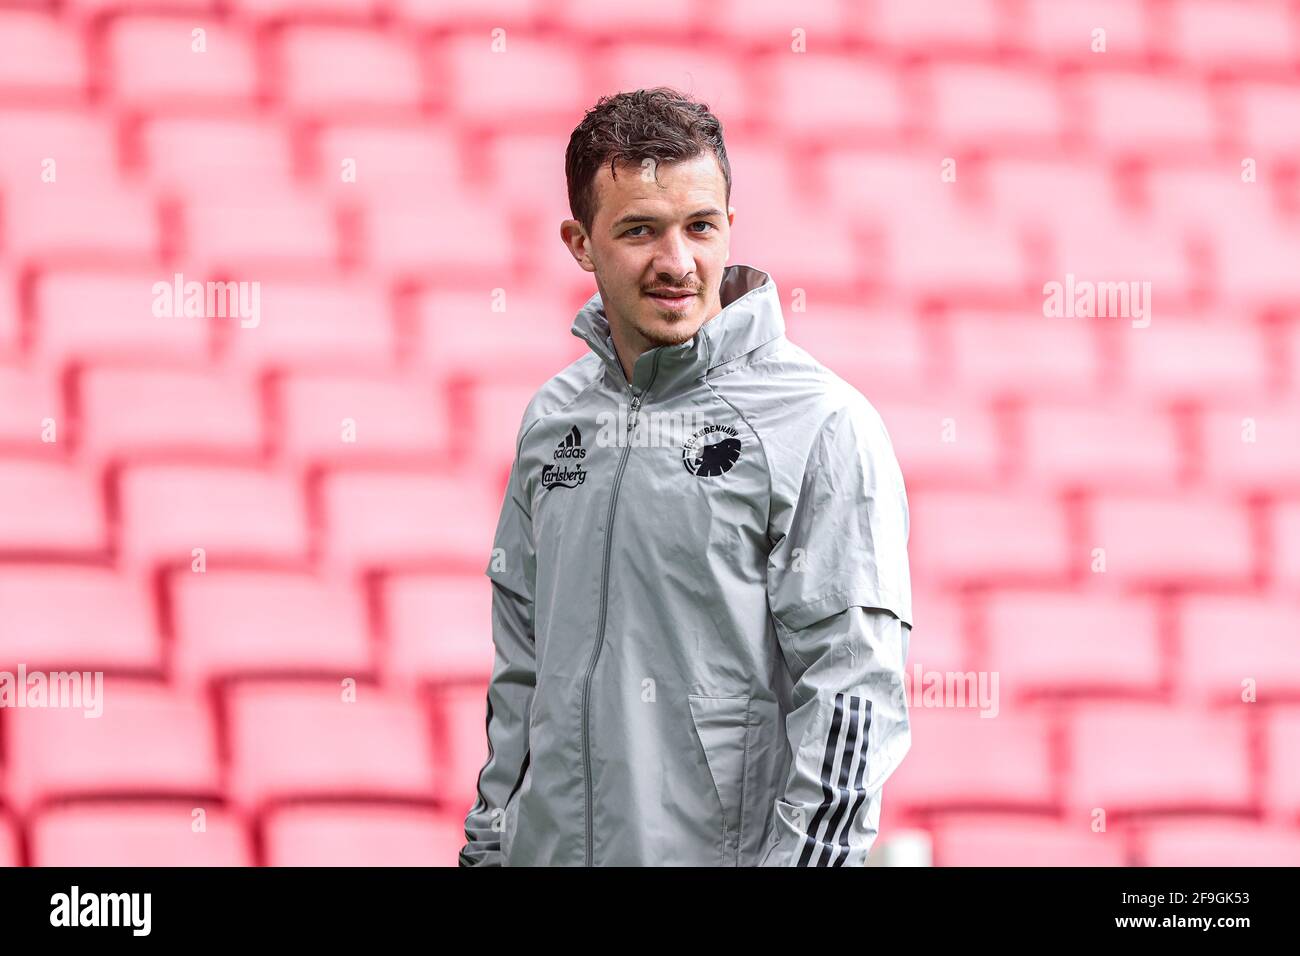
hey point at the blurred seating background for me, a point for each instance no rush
(1028, 442)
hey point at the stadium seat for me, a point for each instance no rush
(1102, 443)
(1282, 781)
(49, 508)
(154, 833)
(361, 835)
(1217, 842)
(164, 62)
(293, 739)
(1262, 649)
(990, 536)
(250, 623)
(439, 627)
(971, 839)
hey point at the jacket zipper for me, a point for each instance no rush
(604, 597)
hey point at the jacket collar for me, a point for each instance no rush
(750, 318)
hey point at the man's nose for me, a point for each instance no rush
(673, 258)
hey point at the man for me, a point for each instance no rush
(701, 593)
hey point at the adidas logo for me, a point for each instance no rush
(569, 449)
(571, 445)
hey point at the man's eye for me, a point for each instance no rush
(704, 223)
(634, 229)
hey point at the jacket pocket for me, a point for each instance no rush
(722, 726)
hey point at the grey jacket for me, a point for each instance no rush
(701, 608)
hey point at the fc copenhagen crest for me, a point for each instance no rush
(712, 450)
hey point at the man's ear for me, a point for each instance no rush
(578, 243)
(731, 215)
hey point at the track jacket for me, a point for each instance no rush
(701, 608)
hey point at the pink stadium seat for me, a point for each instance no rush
(1153, 757)
(230, 511)
(84, 8)
(528, 168)
(49, 508)
(352, 9)
(1063, 29)
(159, 62)
(803, 243)
(1010, 353)
(1172, 538)
(164, 833)
(150, 739)
(1010, 108)
(769, 23)
(361, 835)
(44, 224)
(1282, 743)
(253, 235)
(70, 616)
(109, 313)
(415, 236)
(131, 411)
(439, 627)
(971, 839)
(1179, 359)
(1265, 111)
(139, 834)
(931, 26)
(467, 13)
(319, 323)
(991, 535)
(1102, 443)
(1227, 640)
(202, 156)
(719, 80)
(596, 19)
(461, 714)
(29, 402)
(1251, 443)
(877, 349)
(10, 854)
(495, 412)
(1286, 543)
(39, 57)
(947, 438)
(346, 70)
(359, 418)
(1131, 111)
(940, 638)
(393, 161)
(296, 739)
(10, 316)
(379, 518)
(524, 328)
(1216, 841)
(1238, 37)
(528, 83)
(232, 623)
(800, 105)
(952, 753)
(81, 144)
(1054, 642)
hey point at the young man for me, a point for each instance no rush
(701, 593)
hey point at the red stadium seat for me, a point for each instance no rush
(379, 518)
(1172, 538)
(1251, 443)
(1025, 355)
(1262, 648)
(948, 439)
(50, 509)
(1131, 111)
(38, 57)
(971, 839)
(1286, 543)
(139, 834)
(230, 511)
(1103, 443)
(333, 70)
(1129, 758)
(1282, 742)
(307, 739)
(234, 623)
(69, 616)
(1216, 841)
(149, 739)
(199, 156)
(161, 62)
(1052, 642)
(360, 835)
(1063, 29)
(526, 82)
(127, 412)
(439, 627)
(28, 402)
(1011, 107)
(328, 417)
(990, 536)
(1237, 37)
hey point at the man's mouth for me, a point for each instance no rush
(672, 298)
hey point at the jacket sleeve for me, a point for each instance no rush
(839, 590)
(848, 731)
(512, 569)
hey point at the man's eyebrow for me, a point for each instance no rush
(645, 217)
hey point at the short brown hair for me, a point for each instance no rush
(626, 128)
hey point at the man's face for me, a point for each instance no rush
(660, 229)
